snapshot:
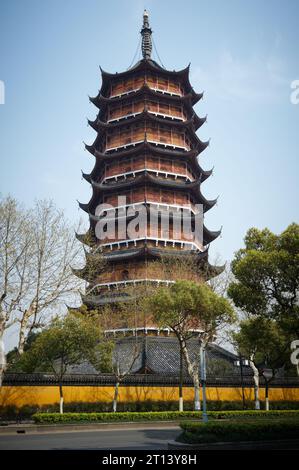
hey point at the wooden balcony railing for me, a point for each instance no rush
(156, 83)
(156, 136)
(162, 167)
(159, 109)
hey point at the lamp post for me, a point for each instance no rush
(240, 363)
(268, 375)
(203, 377)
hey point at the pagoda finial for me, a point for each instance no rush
(146, 33)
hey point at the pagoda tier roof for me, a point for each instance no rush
(93, 301)
(133, 254)
(202, 174)
(208, 271)
(148, 65)
(89, 238)
(144, 117)
(193, 187)
(211, 270)
(192, 124)
(199, 146)
(149, 149)
(189, 99)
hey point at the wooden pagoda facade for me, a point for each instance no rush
(146, 152)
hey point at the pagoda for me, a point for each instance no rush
(146, 153)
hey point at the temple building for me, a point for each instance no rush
(146, 153)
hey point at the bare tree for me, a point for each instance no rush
(109, 356)
(220, 283)
(15, 254)
(37, 248)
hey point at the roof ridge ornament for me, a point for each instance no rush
(146, 33)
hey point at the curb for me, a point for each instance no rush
(291, 444)
(47, 428)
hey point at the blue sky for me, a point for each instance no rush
(244, 55)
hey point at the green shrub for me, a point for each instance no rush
(156, 416)
(11, 412)
(237, 430)
(112, 417)
(244, 414)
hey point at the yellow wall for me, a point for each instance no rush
(45, 395)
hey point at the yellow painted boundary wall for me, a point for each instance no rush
(45, 395)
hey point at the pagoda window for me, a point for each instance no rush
(174, 87)
(151, 162)
(162, 83)
(128, 84)
(165, 136)
(153, 194)
(180, 198)
(177, 111)
(117, 88)
(138, 82)
(125, 275)
(107, 168)
(138, 106)
(166, 165)
(187, 141)
(138, 164)
(127, 109)
(163, 108)
(125, 166)
(112, 113)
(137, 195)
(126, 137)
(151, 81)
(153, 106)
(180, 166)
(167, 197)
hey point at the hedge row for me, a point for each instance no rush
(112, 417)
(12, 412)
(46, 418)
(233, 431)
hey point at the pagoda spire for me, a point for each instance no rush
(146, 33)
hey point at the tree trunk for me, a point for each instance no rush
(23, 327)
(61, 399)
(2, 354)
(193, 371)
(115, 398)
(203, 381)
(181, 400)
(196, 392)
(256, 385)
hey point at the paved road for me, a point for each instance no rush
(125, 438)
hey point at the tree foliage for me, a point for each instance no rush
(267, 276)
(65, 342)
(186, 306)
(263, 341)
